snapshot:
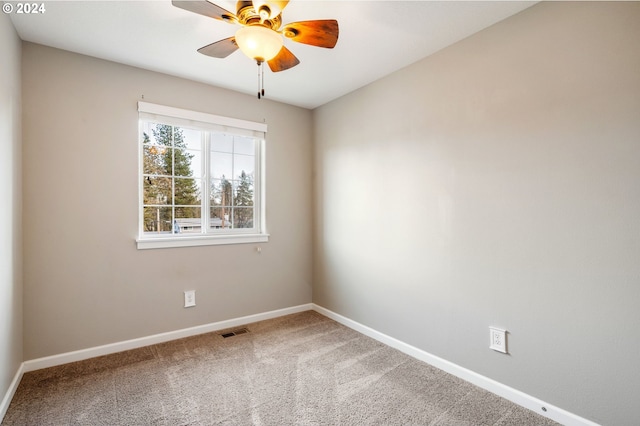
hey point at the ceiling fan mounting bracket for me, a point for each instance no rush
(247, 15)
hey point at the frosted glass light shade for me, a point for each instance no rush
(258, 42)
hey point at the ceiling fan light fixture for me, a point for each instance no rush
(259, 42)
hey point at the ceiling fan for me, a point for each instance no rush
(262, 34)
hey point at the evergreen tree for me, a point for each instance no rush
(177, 162)
(225, 196)
(243, 202)
(161, 163)
(157, 188)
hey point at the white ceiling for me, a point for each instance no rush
(376, 38)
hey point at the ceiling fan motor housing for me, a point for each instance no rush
(247, 15)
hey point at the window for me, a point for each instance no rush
(201, 179)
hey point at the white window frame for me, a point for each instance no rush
(205, 122)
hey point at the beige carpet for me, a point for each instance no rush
(301, 369)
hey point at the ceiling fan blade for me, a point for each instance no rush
(221, 48)
(321, 33)
(206, 8)
(283, 60)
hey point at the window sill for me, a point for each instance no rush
(200, 240)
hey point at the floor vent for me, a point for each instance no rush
(235, 332)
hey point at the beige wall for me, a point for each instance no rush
(86, 284)
(497, 183)
(10, 221)
(494, 183)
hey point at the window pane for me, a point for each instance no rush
(157, 220)
(221, 165)
(243, 163)
(161, 134)
(196, 163)
(153, 159)
(221, 142)
(147, 134)
(187, 163)
(187, 220)
(243, 191)
(187, 191)
(220, 218)
(243, 145)
(243, 217)
(221, 192)
(191, 139)
(157, 190)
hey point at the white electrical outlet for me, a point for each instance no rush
(189, 298)
(498, 339)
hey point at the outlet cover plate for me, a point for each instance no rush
(498, 339)
(189, 298)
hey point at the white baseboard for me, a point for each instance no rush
(51, 361)
(65, 358)
(4, 405)
(552, 412)
(547, 410)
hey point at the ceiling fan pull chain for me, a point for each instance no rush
(262, 78)
(259, 80)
